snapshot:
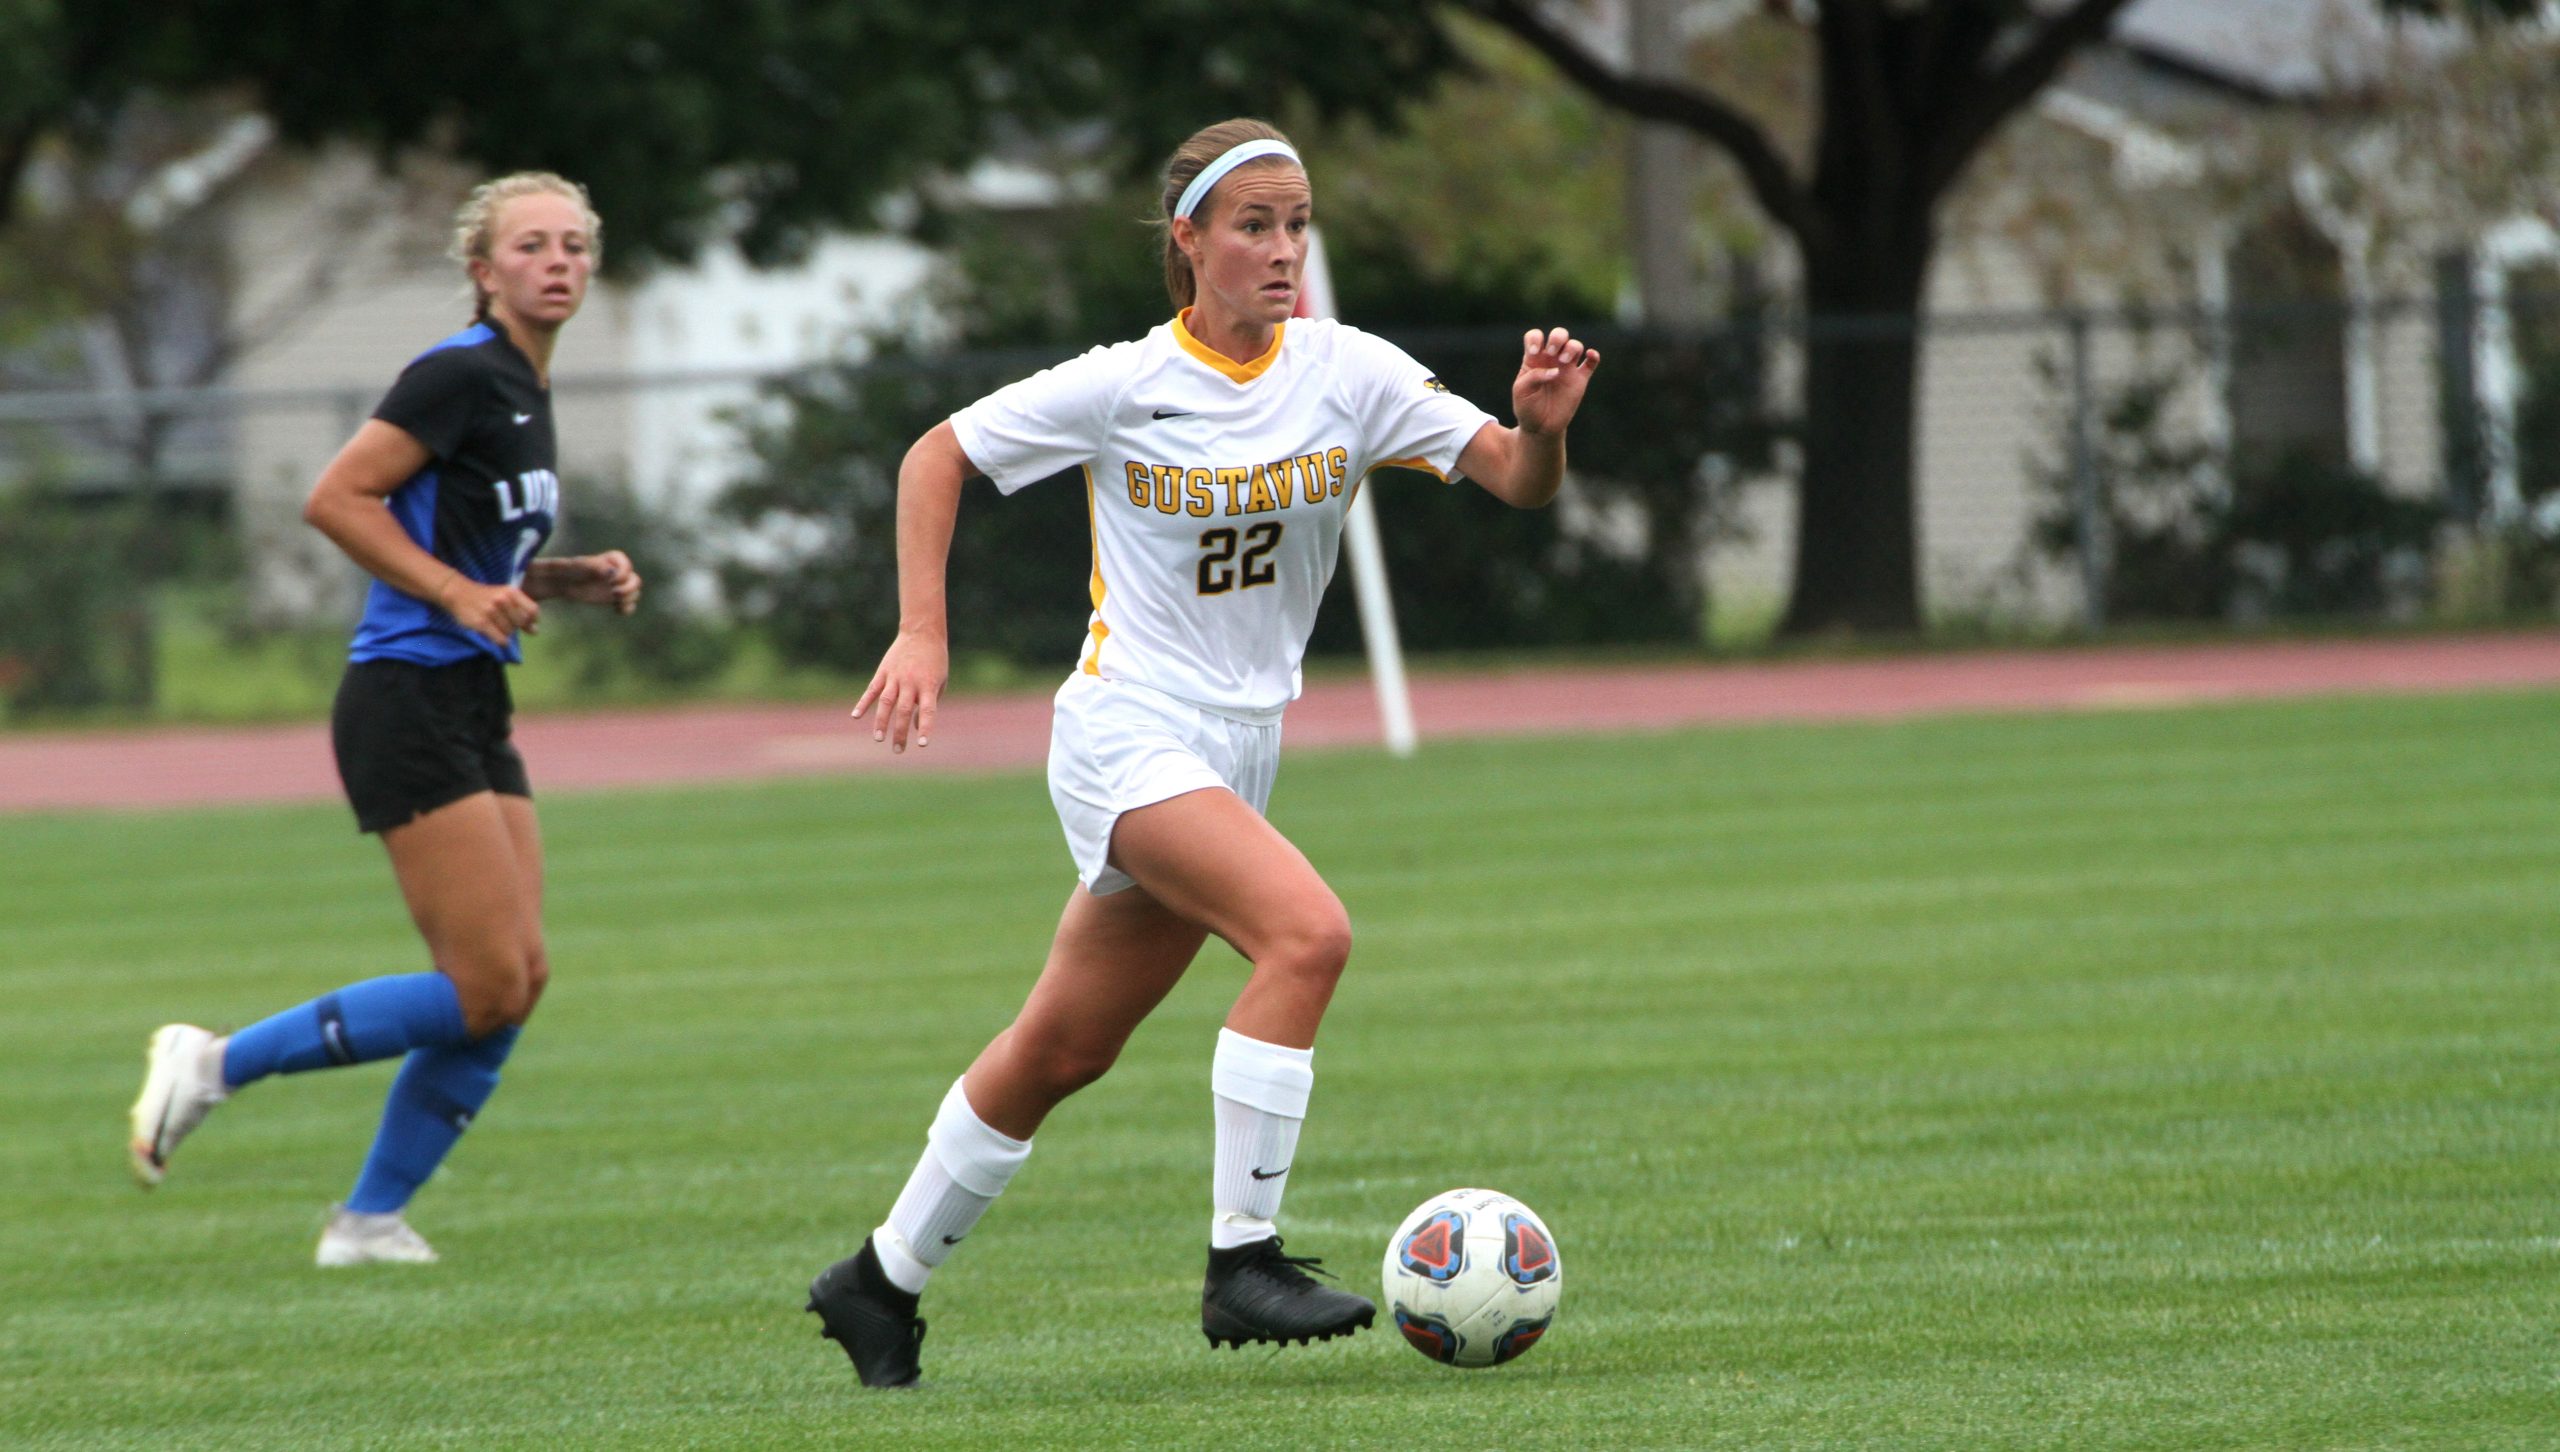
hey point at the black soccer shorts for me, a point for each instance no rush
(411, 738)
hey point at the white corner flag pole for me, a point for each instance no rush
(1368, 561)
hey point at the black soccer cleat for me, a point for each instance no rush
(867, 1315)
(1254, 1293)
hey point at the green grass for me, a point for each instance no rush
(2132, 1081)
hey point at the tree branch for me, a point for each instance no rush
(1775, 186)
(2012, 85)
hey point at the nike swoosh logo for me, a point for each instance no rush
(524, 418)
(953, 1239)
(1268, 1174)
(1173, 413)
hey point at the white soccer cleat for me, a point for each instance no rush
(355, 1238)
(182, 1083)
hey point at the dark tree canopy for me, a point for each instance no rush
(766, 119)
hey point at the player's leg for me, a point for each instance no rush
(420, 750)
(1113, 960)
(486, 919)
(457, 868)
(476, 901)
(1211, 858)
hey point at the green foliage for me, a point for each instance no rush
(774, 121)
(78, 580)
(1505, 182)
(1068, 277)
(1382, 281)
(2309, 537)
(2190, 535)
(2159, 490)
(2536, 331)
(1054, 282)
(823, 497)
(661, 644)
(131, 611)
(2528, 547)
(2122, 1082)
(75, 629)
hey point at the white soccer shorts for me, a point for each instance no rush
(1116, 746)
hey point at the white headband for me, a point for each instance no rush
(1216, 171)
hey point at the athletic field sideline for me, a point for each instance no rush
(41, 771)
(2102, 1080)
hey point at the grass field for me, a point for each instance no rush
(2141, 1081)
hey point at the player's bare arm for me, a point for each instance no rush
(599, 579)
(350, 505)
(908, 686)
(1523, 466)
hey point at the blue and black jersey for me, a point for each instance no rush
(486, 500)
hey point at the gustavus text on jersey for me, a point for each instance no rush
(1201, 492)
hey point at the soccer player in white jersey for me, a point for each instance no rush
(1219, 452)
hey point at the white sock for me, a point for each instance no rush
(1260, 1091)
(209, 1068)
(965, 1165)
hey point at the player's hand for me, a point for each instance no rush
(605, 579)
(1554, 370)
(493, 612)
(906, 689)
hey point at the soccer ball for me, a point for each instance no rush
(1472, 1278)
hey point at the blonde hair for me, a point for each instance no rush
(478, 216)
(1190, 159)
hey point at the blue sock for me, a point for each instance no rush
(431, 1104)
(357, 1024)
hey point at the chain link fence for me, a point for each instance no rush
(2073, 471)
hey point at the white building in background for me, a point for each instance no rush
(2362, 385)
(696, 336)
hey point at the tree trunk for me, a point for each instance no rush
(1662, 182)
(1857, 544)
(1909, 93)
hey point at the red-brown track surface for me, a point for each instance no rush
(44, 771)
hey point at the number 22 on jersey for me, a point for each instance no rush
(1223, 569)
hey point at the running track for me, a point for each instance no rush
(188, 767)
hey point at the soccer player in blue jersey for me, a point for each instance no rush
(444, 497)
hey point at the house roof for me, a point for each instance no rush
(2280, 49)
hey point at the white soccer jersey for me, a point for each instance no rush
(1217, 490)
